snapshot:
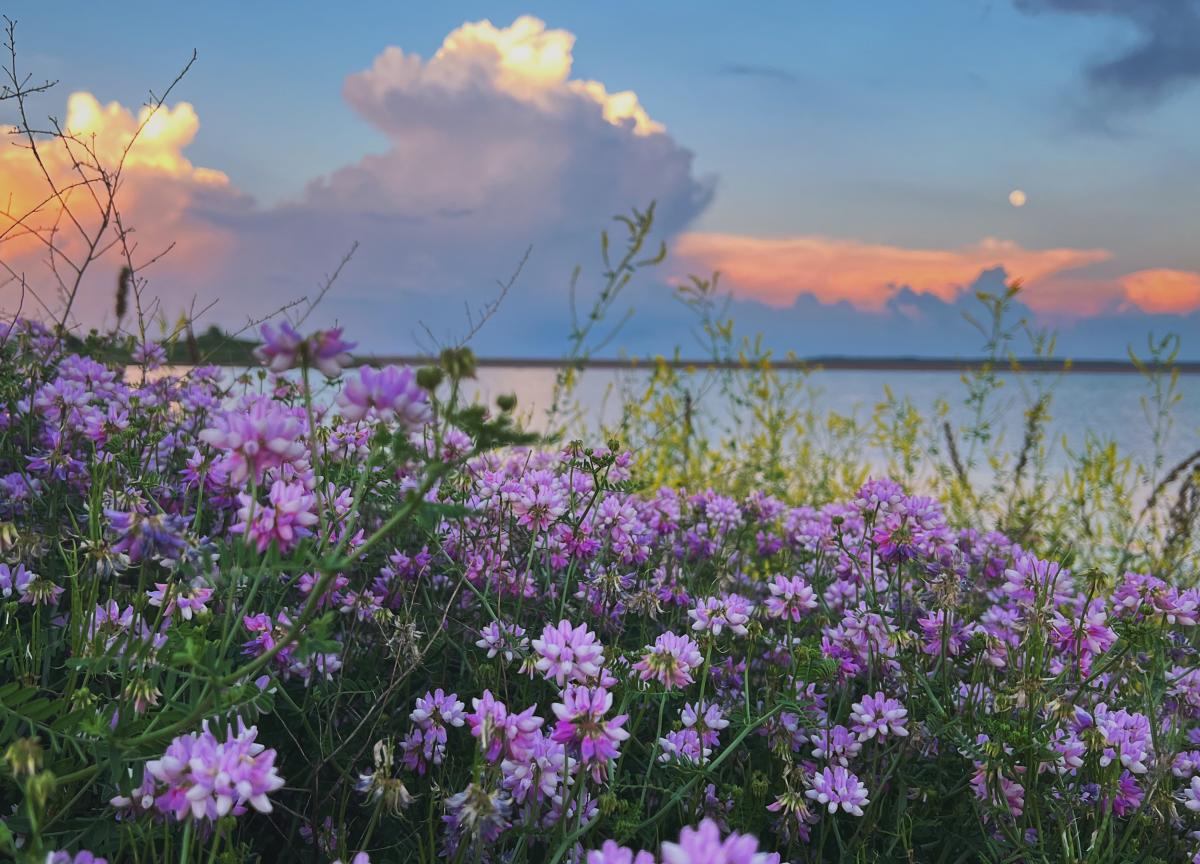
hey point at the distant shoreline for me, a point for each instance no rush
(826, 363)
(213, 347)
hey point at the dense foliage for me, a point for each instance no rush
(367, 620)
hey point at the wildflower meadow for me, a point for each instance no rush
(327, 613)
(332, 610)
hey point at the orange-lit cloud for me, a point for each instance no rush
(156, 193)
(109, 129)
(1161, 290)
(776, 271)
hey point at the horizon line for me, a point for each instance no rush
(830, 362)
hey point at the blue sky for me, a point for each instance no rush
(894, 126)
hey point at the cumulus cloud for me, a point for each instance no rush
(492, 147)
(109, 129)
(524, 61)
(493, 136)
(1163, 59)
(159, 188)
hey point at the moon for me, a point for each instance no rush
(1016, 198)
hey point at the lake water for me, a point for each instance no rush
(1108, 405)
(1105, 404)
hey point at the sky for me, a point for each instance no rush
(851, 169)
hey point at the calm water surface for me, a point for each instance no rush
(1106, 405)
(1103, 404)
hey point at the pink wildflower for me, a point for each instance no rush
(670, 660)
(207, 779)
(581, 725)
(567, 653)
(838, 788)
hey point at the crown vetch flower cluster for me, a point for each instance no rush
(388, 394)
(435, 713)
(810, 660)
(265, 436)
(582, 727)
(837, 787)
(703, 844)
(205, 778)
(670, 661)
(568, 653)
(285, 348)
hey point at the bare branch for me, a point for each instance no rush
(329, 280)
(478, 318)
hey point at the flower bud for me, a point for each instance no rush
(429, 377)
(24, 757)
(459, 362)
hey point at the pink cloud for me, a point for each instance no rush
(1162, 290)
(777, 270)
(160, 198)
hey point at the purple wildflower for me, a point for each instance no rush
(391, 393)
(500, 732)
(34, 590)
(791, 598)
(477, 814)
(83, 856)
(878, 715)
(207, 779)
(611, 853)
(540, 773)
(286, 349)
(149, 354)
(706, 718)
(285, 518)
(704, 845)
(581, 726)
(684, 745)
(280, 350)
(1191, 795)
(1128, 796)
(187, 601)
(567, 653)
(263, 436)
(835, 746)
(1126, 738)
(502, 639)
(670, 660)
(153, 536)
(838, 788)
(714, 614)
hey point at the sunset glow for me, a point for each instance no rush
(157, 192)
(777, 271)
(1163, 290)
(448, 147)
